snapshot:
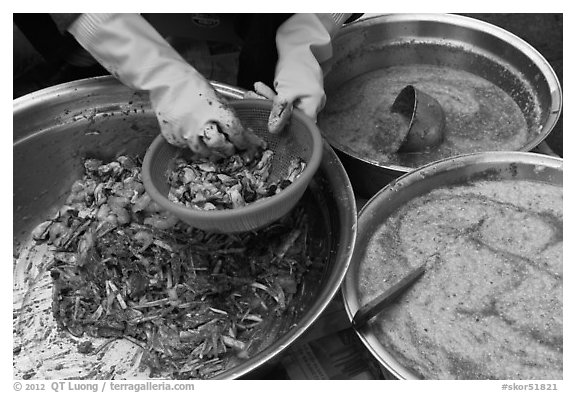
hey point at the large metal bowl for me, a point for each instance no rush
(453, 171)
(453, 41)
(54, 129)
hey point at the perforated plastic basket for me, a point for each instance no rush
(301, 138)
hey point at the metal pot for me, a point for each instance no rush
(450, 172)
(453, 41)
(54, 129)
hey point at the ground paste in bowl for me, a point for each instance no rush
(480, 116)
(490, 303)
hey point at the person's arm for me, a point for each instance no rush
(303, 42)
(189, 112)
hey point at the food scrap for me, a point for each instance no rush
(196, 302)
(85, 347)
(229, 183)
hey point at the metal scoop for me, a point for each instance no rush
(425, 119)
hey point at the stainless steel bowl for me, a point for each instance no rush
(54, 129)
(452, 171)
(447, 40)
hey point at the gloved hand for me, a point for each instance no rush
(189, 111)
(303, 42)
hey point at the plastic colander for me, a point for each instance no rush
(300, 139)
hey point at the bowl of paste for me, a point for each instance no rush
(489, 229)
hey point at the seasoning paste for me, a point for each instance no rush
(480, 116)
(490, 303)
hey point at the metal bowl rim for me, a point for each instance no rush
(406, 180)
(475, 24)
(330, 164)
(350, 218)
(99, 83)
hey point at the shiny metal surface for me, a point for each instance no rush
(55, 128)
(448, 40)
(452, 171)
(425, 118)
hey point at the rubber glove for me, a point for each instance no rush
(189, 111)
(303, 42)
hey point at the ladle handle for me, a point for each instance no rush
(370, 309)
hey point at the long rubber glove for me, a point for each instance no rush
(303, 42)
(189, 112)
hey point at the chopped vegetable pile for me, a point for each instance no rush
(196, 302)
(229, 183)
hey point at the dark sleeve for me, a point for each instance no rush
(44, 34)
(63, 21)
(352, 18)
(258, 56)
